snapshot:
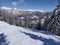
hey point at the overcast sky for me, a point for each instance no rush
(46, 5)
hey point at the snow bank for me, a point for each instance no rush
(21, 36)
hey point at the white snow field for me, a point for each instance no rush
(21, 36)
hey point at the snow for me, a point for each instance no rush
(34, 10)
(33, 22)
(34, 17)
(22, 17)
(22, 36)
(5, 8)
(42, 21)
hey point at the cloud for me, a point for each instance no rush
(21, 1)
(14, 3)
(25, 4)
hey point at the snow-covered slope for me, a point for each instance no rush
(20, 36)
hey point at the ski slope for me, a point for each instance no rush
(22, 36)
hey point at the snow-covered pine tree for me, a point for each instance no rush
(54, 21)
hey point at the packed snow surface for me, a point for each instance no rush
(22, 36)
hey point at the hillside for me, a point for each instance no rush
(13, 35)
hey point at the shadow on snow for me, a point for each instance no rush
(42, 31)
(3, 40)
(46, 41)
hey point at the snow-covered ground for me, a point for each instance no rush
(14, 35)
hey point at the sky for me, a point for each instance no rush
(46, 5)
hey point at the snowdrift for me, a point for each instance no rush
(13, 35)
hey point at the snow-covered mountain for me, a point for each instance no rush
(16, 11)
(23, 10)
(13, 35)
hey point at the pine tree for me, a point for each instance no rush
(39, 26)
(54, 22)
